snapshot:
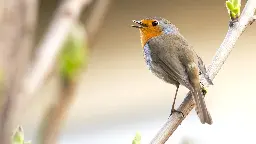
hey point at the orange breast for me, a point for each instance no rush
(148, 33)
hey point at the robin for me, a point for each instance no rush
(171, 58)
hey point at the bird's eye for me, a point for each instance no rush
(154, 23)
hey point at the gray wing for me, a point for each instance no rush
(164, 51)
(203, 70)
(176, 57)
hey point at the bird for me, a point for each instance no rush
(170, 57)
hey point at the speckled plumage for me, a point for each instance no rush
(147, 56)
(170, 57)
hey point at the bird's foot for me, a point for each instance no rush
(174, 110)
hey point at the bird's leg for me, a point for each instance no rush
(173, 104)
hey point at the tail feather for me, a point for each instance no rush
(195, 88)
(201, 109)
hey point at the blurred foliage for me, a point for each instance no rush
(233, 7)
(18, 136)
(137, 138)
(74, 55)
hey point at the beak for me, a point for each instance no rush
(140, 24)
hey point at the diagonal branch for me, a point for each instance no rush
(96, 18)
(234, 32)
(57, 113)
(48, 48)
(17, 26)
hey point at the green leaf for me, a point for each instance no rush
(237, 3)
(233, 14)
(236, 11)
(233, 8)
(229, 6)
(137, 139)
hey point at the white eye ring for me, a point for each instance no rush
(155, 23)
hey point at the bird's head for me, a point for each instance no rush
(152, 27)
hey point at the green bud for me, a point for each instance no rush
(229, 6)
(73, 56)
(18, 136)
(233, 7)
(233, 14)
(137, 139)
(235, 11)
(237, 3)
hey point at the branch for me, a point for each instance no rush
(234, 32)
(96, 18)
(56, 114)
(67, 13)
(74, 51)
(17, 28)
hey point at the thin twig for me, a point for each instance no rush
(57, 113)
(96, 18)
(18, 23)
(49, 47)
(220, 57)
